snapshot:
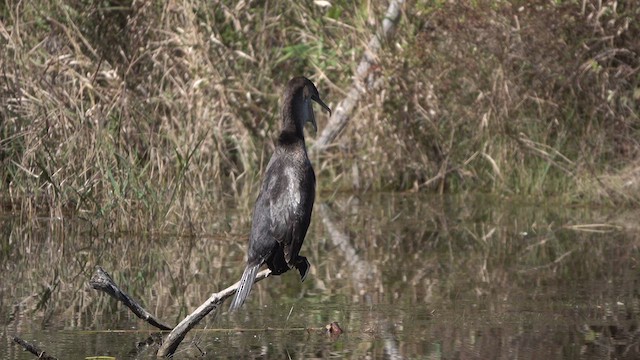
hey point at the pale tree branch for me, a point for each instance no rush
(178, 333)
(364, 74)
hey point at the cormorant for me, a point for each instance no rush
(282, 211)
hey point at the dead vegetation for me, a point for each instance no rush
(145, 115)
(515, 98)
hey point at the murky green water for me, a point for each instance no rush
(404, 276)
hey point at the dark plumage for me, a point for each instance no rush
(283, 209)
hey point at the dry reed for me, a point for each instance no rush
(146, 116)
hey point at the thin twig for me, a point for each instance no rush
(595, 228)
(553, 263)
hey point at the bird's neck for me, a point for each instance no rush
(292, 120)
(288, 139)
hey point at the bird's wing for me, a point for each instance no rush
(290, 193)
(302, 217)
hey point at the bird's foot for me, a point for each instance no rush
(302, 264)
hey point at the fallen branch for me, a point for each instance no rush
(341, 113)
(33, 349)
(176, 336)
(102, 281)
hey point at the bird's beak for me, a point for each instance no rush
(324, 106)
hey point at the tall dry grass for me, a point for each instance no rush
(151, 116)
(534, 98)
(158, 112)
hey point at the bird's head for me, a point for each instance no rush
(301, 92)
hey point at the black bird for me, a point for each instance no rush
(282, 211)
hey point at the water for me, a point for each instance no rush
(406, 277)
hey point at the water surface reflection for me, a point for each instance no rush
(405, 276)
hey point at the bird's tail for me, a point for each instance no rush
(248, 277)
